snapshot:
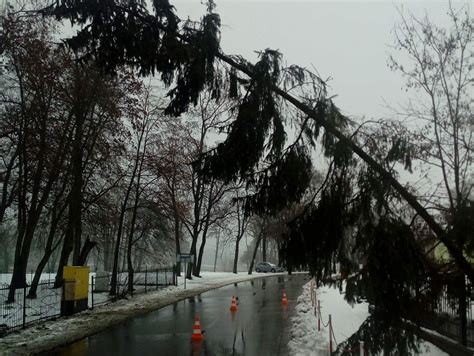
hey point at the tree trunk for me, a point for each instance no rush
(20, 265)
(86, 249)
(254, 255)
(113, 281)
(455, 251)
(75, 203)
(63, 260)
(236, 255)
(18, 278)
(264, 248)
(463, 309)
(192, 252)
(7, 198)
(197, 269)
(217, 251)
(177, 234)
(177, 242)
(44, 260)
(38, 272)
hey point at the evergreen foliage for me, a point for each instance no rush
(353, 220)
(117, 34)
(382, 336)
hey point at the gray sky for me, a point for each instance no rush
(348, 41)
(345, 40)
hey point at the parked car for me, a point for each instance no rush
(267, 267)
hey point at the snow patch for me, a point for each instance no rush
(346, 320)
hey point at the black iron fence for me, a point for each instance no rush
(23, 310)
(445, 318)
(144, 281)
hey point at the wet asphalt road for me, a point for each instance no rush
(261, 325)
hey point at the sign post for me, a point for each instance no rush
(185, 258)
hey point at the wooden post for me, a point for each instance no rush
(361, 348)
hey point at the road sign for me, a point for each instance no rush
(184, 258)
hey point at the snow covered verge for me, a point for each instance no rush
(346, 319)
(50, 334)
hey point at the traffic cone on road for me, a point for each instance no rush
(233, 305)
(197, 334)
(284, 299)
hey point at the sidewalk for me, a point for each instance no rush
(50, 334)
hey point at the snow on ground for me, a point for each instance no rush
(5, 278)
(346, 319)
(50, 334)
(305, 338)
(48, 303)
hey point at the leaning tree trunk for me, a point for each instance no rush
(192, 252)
(19, 268)
(41, 265)
(49, 249)
(38, 272)
(197, 271)
(254, 255)
(63, 261)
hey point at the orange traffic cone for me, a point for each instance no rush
(197, 335)
(233, 305)
(284, 299)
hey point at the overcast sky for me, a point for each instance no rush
(348, 41)
(345, 40)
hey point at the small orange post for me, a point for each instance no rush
(233, 304)
(284, 299)
(197, 334)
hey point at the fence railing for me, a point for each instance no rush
(444, 317)
(24, 311)
(332, 342)
(144, 281)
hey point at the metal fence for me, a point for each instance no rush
(24, 311)
(444, 317)
(144, 281)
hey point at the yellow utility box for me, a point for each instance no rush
(75, 289)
